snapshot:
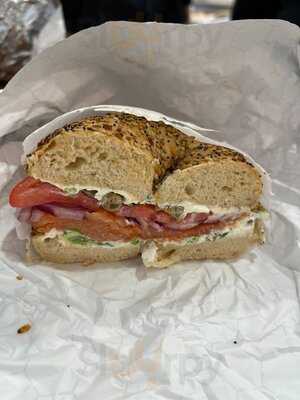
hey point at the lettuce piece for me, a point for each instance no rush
(193, 239)
(76, 237)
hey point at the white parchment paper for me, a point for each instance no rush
(198, 330)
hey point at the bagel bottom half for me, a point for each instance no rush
(155, 254)
(63, 252)
(160, 255)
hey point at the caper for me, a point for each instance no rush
(90, 193)
(175, 211)
(112, 201)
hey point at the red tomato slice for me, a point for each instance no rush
(31, 192)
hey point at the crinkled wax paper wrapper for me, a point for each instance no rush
(199, 330)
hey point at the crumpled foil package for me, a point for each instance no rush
(198, 330)
(27, 27)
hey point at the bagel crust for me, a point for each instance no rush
(146, 159)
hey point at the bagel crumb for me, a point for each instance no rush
(24, 329)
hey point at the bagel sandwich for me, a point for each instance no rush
(108, 188)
